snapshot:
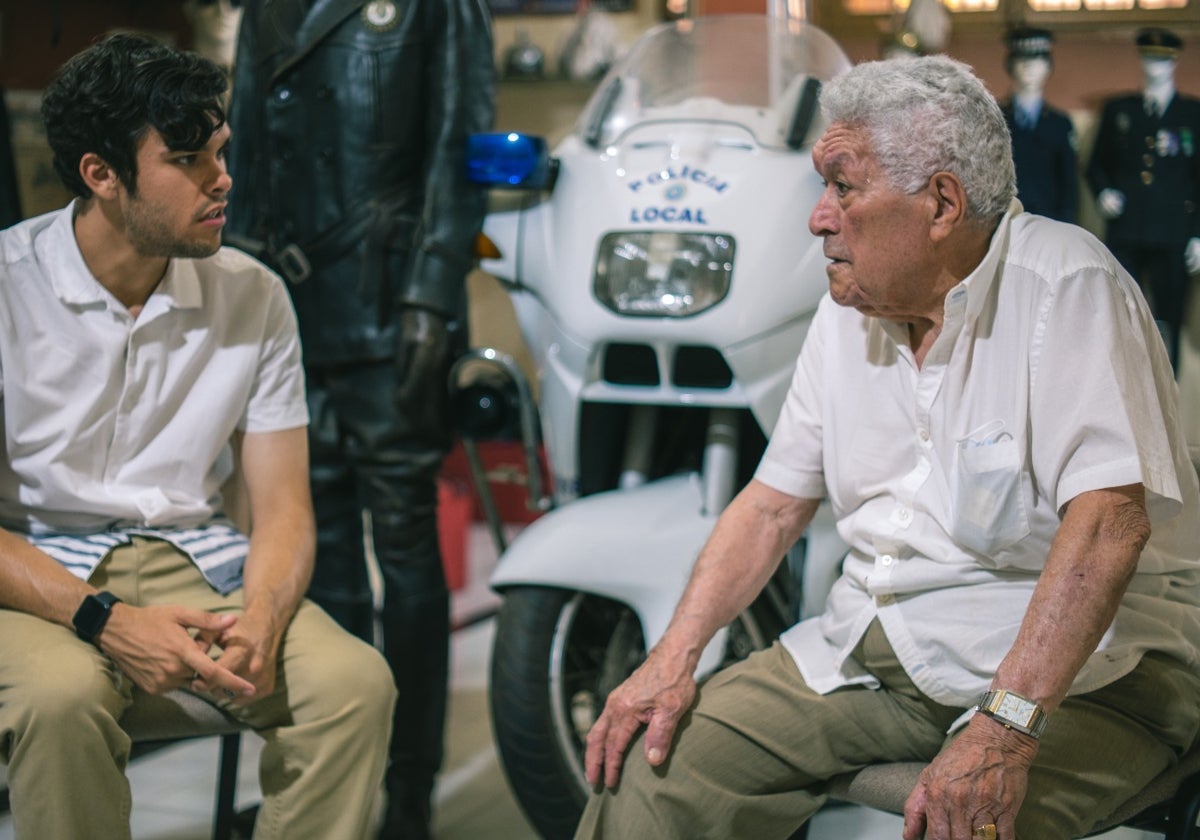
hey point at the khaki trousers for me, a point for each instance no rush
(752, 758)
(326, 725)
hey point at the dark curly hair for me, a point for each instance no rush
(104, 99)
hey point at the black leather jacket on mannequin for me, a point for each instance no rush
(348, 157)
(349, 119)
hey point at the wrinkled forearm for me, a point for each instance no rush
(741, 554)
(1092, 559)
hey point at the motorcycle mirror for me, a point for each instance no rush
(806, 109)
(510, 159)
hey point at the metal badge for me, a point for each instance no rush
(1166, 143)
(381, 15)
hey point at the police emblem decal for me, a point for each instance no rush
(381, 15)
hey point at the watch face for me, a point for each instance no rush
(1014, 709)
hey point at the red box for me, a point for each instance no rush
(459, 506)
(455, 513)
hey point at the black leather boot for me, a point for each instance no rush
(416, 633)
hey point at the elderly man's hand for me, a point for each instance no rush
(656, 695)
(979, 778)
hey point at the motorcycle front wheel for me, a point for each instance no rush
(556, 656)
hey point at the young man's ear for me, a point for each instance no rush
(100, 178)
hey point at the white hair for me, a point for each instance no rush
(925, 115)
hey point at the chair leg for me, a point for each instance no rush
(226, 786)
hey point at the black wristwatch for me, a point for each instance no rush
(92, 615)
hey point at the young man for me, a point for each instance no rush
(985, 401)
(138, 361)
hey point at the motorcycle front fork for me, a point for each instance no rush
(718, 481)
(719, 467)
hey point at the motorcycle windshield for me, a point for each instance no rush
(755, 71)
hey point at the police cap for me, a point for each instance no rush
(1028, 42)
(1154, 42)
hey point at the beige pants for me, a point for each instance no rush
(326, 725)
(752, 758)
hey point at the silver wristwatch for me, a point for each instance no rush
(1014, 711)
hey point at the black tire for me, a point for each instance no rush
(557, 654)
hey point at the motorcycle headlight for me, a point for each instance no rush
(664, 275)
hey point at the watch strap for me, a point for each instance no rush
(1033, 722)
(93, 614)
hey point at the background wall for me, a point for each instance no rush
(1090, 64)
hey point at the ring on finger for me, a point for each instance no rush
(984, 832)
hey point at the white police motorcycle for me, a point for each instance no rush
(663, 277)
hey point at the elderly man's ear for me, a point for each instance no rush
(949, 204)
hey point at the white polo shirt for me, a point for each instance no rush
(1049, 379)
(113, 425)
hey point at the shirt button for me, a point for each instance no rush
(904, 514)
(887, 560)
(283, 94)
(923, 434)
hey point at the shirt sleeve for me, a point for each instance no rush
(277, 396)
(460, 100)
(793, 461)
(1104, 419)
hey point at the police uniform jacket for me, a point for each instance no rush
(348, 158)
(1153, 161)
(1047, 164)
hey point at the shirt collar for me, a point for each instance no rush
(1161, 96)
(63, 264)
(73, 282)
(978, 284)
(966, 300)
(1028, 106)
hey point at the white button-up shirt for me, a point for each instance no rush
(1049, 379)
(113, 423)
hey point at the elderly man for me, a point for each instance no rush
(986, 403)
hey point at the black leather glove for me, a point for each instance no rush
(422, 366)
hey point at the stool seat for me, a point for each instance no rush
(181, 715)
(1168, 804)
(173, 716)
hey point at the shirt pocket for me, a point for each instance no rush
(988, 504)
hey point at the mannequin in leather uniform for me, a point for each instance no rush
(1145, 172)
(350, 121)
(1043, 138)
